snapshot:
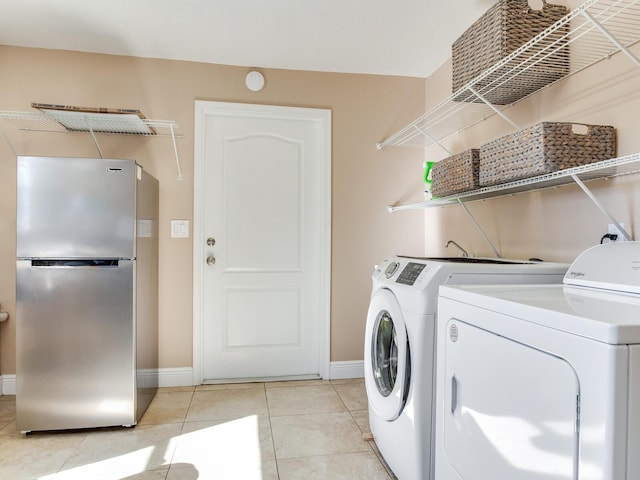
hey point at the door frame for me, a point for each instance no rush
(323, 116)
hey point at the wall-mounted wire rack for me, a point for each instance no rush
(579, 175)
(93, 123)
(117, 124)
(594, 31)
(604, 169)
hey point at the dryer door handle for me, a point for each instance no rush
(454, 394)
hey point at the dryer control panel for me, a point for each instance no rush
(610, 266)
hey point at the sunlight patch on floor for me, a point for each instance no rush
(124, 465)
(229, 450)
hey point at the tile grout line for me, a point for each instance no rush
(184, 422)
(71, 454)
(352, 417)
(273, 443)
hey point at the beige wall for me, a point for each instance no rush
(366, 108)
(554, 224)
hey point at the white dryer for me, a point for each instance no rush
(400, 341)
(543, 382)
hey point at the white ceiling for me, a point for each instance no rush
(389, 37)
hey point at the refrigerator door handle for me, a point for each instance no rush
(67, 263)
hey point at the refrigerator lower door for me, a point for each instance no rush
(75, 344)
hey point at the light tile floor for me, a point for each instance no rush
(311, 430)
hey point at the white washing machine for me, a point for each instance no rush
(400, 341)
(543, 382)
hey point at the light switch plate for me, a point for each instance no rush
(179, 228)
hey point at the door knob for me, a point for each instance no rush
(211, 241)
(211, 260)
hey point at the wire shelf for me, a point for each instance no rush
(93, 122)
(592, 32)
(103, 123)
(604, 169)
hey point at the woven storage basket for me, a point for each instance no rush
(456, 174)
(505, 27)
(544, 148)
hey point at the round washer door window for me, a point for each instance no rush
(386, 356)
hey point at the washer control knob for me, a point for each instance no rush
(391, 269)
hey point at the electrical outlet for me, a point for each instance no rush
(612, 229)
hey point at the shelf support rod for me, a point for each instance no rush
(175, 150)
(612, 38)
(95, 140)
(593, 198)
(433, 140)
(411, 206)
(492, 107)
(475, 222)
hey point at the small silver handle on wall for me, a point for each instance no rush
(211, 260)
(211, 241)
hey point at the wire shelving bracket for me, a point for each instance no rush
(595, 31)
(95, 123)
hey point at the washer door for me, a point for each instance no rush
(386, 356)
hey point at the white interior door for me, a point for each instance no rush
(262, 240)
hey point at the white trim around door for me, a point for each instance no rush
(209, 108)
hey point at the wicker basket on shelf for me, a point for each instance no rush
(505, 27)
(544, 148)
(456, 174)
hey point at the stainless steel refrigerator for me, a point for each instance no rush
(86, 287)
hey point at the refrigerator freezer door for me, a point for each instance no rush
(75, 208)
(75, 345)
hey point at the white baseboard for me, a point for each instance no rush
(175, 377)
(183, 377)
(7, 384)
(352, 369)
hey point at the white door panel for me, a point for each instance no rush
(266, 201)
(268, 170)
(240, 309)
